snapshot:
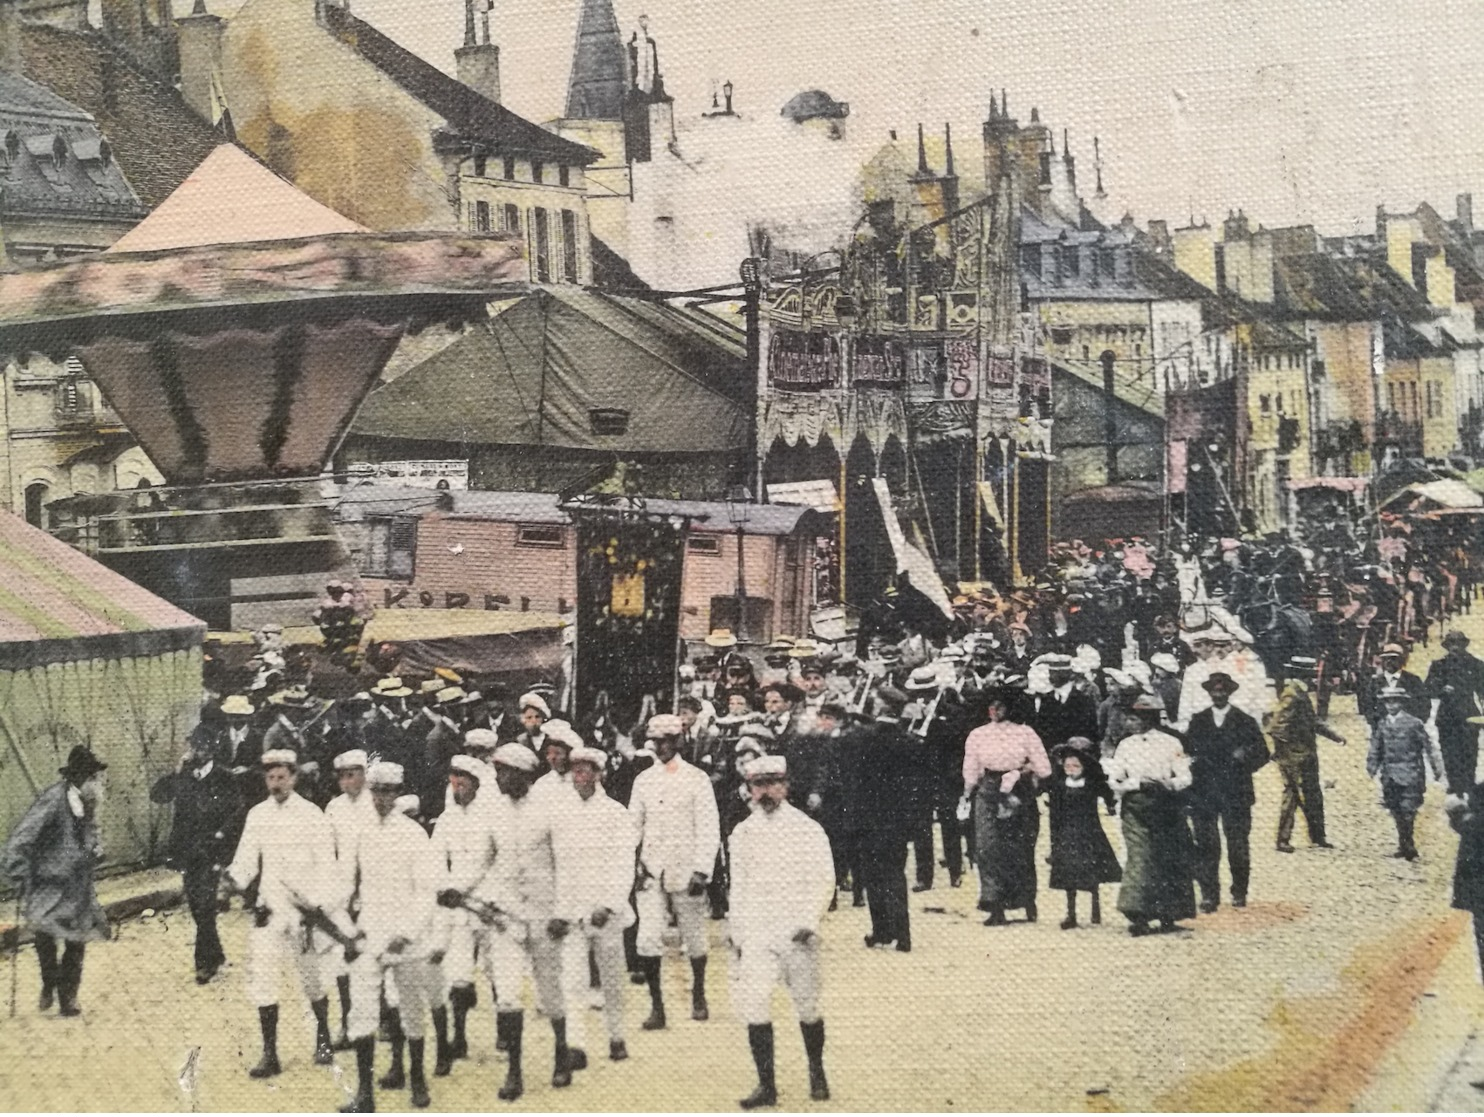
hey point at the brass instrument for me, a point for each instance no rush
(862, 692)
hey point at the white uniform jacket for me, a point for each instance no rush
(288, 848)
(674, 811)
(783, 876)
(522, 880)
(594, 843)
(345, 816)
(394, 874)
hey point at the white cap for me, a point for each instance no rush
(408, 804)
(384, 774)
(274, 757)
(765, 767)
(482, 740)
(533, 701)
(665, 725)
(351, 758)
(587, 754)
(469, 766)
(562, 733)
(1165, 662)
(517, 756)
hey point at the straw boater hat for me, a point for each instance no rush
(390, 687)
(430, 686)
(923, 678)
(721, 638)
(804, 649)
(296, 697)
(449, 675)
(237, 705)
(1147, 704)
(782, 644)
(1394, 692)
(449, 695)
(1394, 649)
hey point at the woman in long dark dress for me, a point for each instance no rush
(1082, 858)
(1149, 770)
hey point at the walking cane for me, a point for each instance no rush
(15, 950)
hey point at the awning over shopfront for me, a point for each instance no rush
(1337, 484)
(820, 495)
(909, 559)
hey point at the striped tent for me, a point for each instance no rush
(88, 657)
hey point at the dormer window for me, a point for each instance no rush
(481, 166)
(564, 175)
(538, 171)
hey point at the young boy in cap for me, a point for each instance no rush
(679, 832)
(287, 850)
(783, 877)
(593, 841)
(1399, 744)
(390, 879)
(49, 858)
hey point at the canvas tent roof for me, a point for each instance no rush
(231, 198)
(56, 604)
(536, 373)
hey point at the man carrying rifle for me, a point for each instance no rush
(393, 877)
(287, 854)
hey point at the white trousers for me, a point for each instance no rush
(654, 904)
(409, 982)
(606, 943)
(269, 949)
(521, 949)
(756, 970)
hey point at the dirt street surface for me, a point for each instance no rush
(1347, 983)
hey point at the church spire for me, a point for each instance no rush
(596, 88)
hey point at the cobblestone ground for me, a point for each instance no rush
(1347, 983)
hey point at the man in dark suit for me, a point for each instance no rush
(1226, 747)
(1391, 673)
(1456, 685)
(1064, 713)
(208, 820)
(885, 816)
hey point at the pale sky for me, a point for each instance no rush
(1295, 110)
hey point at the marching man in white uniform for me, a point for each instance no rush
(783, 877)
(345, 813)
(557, 745)
(464, 841)
(391, 875)
(519, 898)
(594, 841)
(674, 809)
(288, 850)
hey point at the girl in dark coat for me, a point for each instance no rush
(1466, 815)
(1082, 858)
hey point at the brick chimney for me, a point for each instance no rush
(478, 62)
(10, 37)
(200, 38)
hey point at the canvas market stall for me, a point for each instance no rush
(88, 657)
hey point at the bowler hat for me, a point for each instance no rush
(1455, 637)
(81, 763)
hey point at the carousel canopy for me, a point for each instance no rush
(237, 329)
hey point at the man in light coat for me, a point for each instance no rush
(49, 858)
(593, 840)
(783, 876)
(391, 878)
(464, 843)
(518, 895)
(346, 813)
(679, 830)
(287, 851)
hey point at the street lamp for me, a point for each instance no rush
(739, 512)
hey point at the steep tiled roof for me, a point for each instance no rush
(1349, 289)
(470, 115)
(595, 90)
(156, 139)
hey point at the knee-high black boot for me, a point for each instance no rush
(69, 978)
(1071, 920)
(268, 1023)
(656, 1019)
(461, 1000)
(698, 1009)
(365, 1099)
(511, 1024)
(819, 1087)
(561, 1074)
(760, 1039)
(323, 1050)
(442, 1053)
(418, 1081)
(342, 986)
(1097, 906)
(396, 1074)
(46, 957)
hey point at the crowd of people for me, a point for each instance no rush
(429, 837)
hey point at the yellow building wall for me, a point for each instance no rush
(1347, 350)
